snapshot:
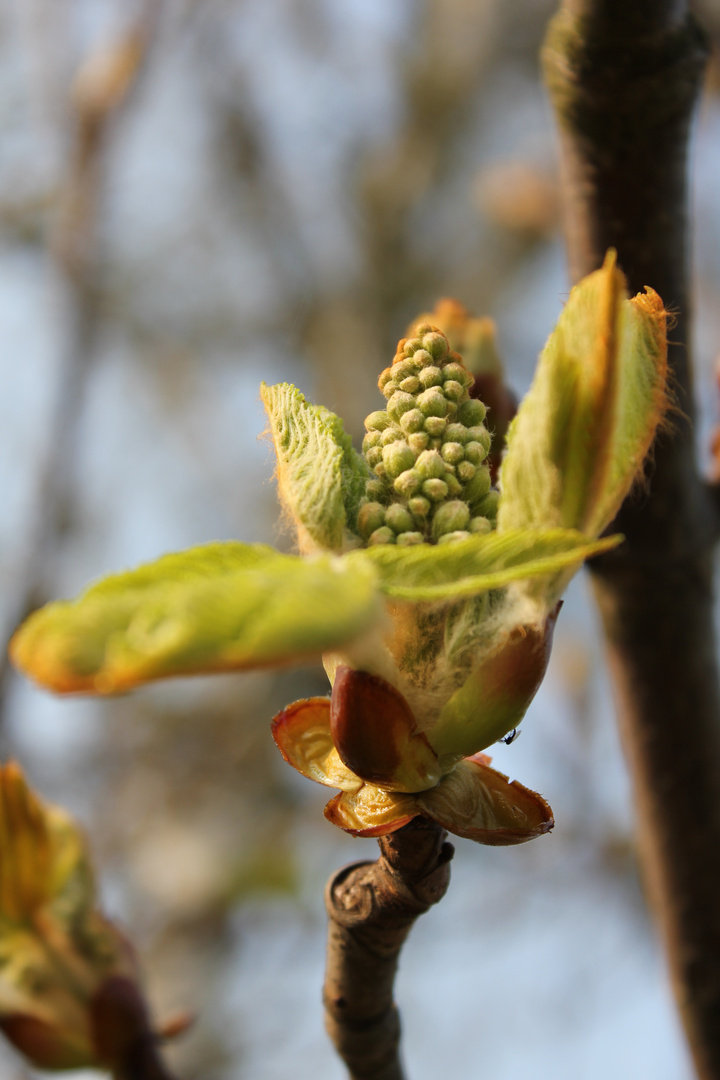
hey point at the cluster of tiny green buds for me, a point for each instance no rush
(427, 450)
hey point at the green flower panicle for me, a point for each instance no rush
(427, 450)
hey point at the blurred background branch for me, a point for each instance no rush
(101, 89)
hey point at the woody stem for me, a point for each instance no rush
(624, 77)
(371, 909)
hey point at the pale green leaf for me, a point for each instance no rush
(219, 607)
(320, 477)
(584, 428)
(478, 564)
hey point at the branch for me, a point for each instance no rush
(103, 88)
(624, 76)
(372, 907)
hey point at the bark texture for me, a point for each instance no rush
(624, 76)
(371, 908)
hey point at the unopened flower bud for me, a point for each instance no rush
(452, 453)
(410, 385)
(479, 486)
(384, 535)
(398, 518)
(436, 344)
(419, 506)
(450, 517)
(479, 433)
(457, 373)
(435, 490)
(435, 426)
(432, 403)
(419, 441)
(423, 357)
(408, 482)
(453, 537)
(452, 390)
(400, 403)
(472, 412)
(377, 421)
(390, 435)
(409, 539)
(488, 506)
(430, 465)
(480, 525)
(475, 452)
(456, 433)
(430, 376)
(371, 516)
(465, 471)
(397, 457)
(412, 421)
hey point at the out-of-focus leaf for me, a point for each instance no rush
(582, 431)
(320, 477)
(219, 607)
(478, 564)
(43, 860)
(56, 948)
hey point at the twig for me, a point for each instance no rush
(371, 907)
(103, 87)
(624, 76)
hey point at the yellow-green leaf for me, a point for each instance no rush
(320, 477)
(427, 572)
(582, 432)
(219, 607)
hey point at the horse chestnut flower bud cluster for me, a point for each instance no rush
(427, 450)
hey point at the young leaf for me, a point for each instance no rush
(584, 428)
(320, 477)
(220, 607)
(490, 561)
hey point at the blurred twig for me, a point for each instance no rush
(624, 76)
(102, 88)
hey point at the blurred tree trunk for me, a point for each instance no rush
(624, 77)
